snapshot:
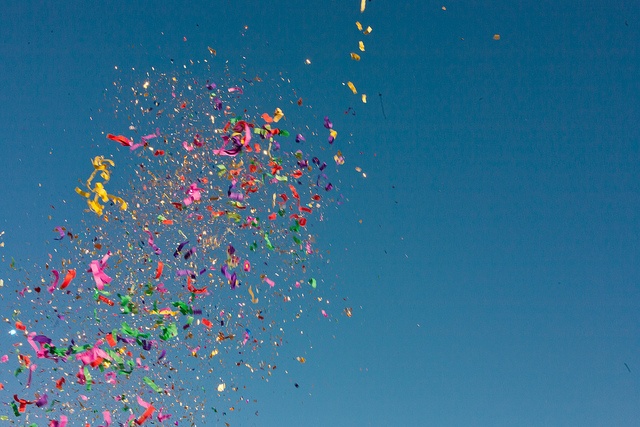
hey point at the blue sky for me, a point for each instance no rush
(490, 254)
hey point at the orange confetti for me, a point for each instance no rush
(147, 413)
(68, 278)
(106, 300)
(159, 270)
(110, 340)
(60, 382)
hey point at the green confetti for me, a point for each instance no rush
(151, 384)
(267, 241)
(169, 332)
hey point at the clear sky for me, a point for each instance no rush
(489, 256)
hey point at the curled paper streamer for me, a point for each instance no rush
(101, 167)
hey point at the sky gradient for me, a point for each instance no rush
(491, 253)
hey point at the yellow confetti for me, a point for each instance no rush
(359, 26)
(100, 165)
(352, 87)
(277, 115)
(368, 31)
(253, 298)
(363, 4)
(221, 387)
(361, 46)
(496, 36)
(355, 56)
(364, 98)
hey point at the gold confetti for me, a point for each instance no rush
(361, 46)
(221, 387)
(363, 4)
(307, 61)
(364, 98)
(355, 56)
(277, 115)
(212, 51)
(253, 298)
(359, 26)
(301, 359)
(496, 36)
(348, 311)
(352, 87)
(368, 31)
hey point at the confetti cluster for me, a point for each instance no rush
(170, 297)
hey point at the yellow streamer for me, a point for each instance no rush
(101, 167)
